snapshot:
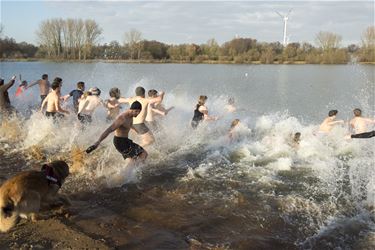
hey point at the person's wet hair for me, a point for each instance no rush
(57, 80)
(234, 123)
(44, 76)
(1, 81)
(55, 85)
(297, 137)
(81, 85)
(332, 112)
(136, 106)
(231, 101)
(140, 91)
(357, 112)
(202, 99)
(95, 91)
(115, 92)
(152, 93)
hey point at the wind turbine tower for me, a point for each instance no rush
(285, 18)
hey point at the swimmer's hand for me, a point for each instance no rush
(91, 148)
(13, 78)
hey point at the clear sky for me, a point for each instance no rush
(196, 21)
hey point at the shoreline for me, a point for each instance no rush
(171, 62)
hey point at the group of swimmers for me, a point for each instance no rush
(142, 114)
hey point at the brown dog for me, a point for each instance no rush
(26, 193)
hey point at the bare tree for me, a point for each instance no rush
(92, 34)
(45, 37)
(368, 37)
(328, 41)
(133, 41)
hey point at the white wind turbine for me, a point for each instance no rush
(285, 18)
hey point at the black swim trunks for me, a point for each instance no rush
(84, 119)
(127, 147)
(197, 118)
(364, 135)
(141, 128)
(54, 115)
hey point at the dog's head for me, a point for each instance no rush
(60, 169)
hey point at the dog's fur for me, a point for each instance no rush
(26, 193)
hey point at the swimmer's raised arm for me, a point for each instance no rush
(369, 120)
(115, 125)
(65, 97)
(32, 84)
(10, 83)
(124, 100)
(336, 122)
(157, 111)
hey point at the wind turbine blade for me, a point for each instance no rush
(279, 14)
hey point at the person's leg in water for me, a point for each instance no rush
(42, 97)
(364, 135)
(147, 139)
(145, 133)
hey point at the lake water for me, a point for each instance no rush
(257, 192)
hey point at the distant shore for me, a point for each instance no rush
(167, 61)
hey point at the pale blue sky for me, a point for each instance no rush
(196, 21)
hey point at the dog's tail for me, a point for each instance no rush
(8, 215)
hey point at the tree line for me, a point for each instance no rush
(77, 39)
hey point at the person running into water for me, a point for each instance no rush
(112, 104)
(76, 94)
(21, 88)
(139, 122)
(121, 126)
(88, 105)
(44, 86)
(296, 139)
(359, 125)
(233, 126)
(230, 107)
(154, 110)
(329, 122)
(201, 112)
(5, 107)
(52, 101)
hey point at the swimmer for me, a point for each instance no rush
(112, 104)
(5, 105)
(44, 86)
(296, 140)
(329, 122)
(21, 88)
(230, 108)
(233, 125)
(201, 112)
(359, 125)
(76, 94)
(121, 126)
(88, 105)
(154, 110)
(139, 125)
(52, 101)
